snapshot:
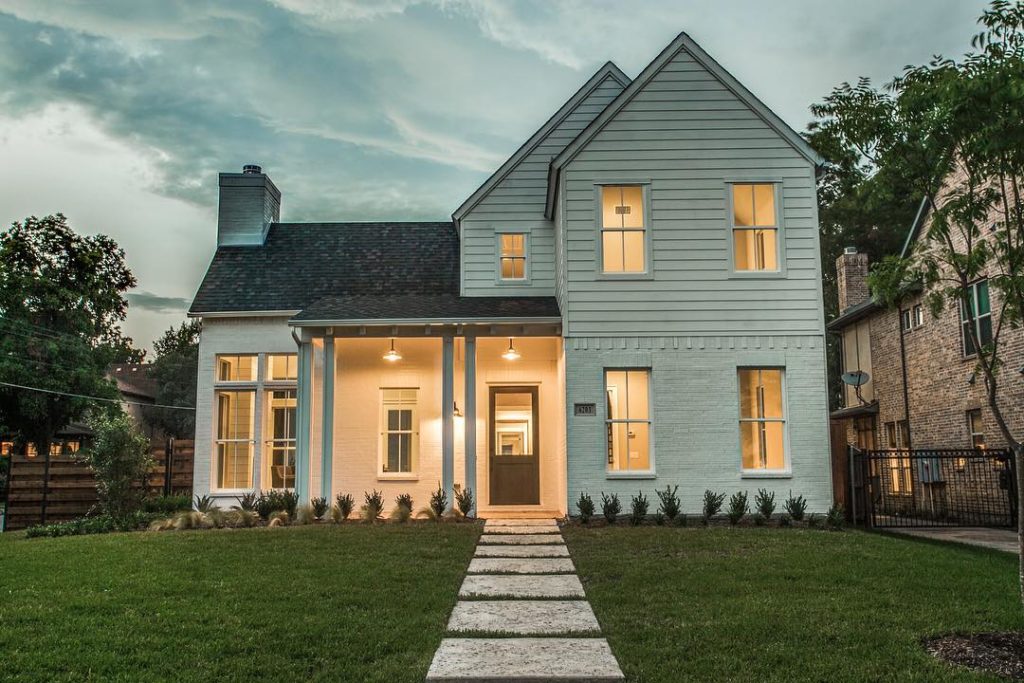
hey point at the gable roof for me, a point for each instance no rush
(915, 227)
(682, 42)
(344, 270)
(608, 70)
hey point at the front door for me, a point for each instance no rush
(514, 446)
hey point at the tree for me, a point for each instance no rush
(61, 301)
(174, 370)
(118, 455)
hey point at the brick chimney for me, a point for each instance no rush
(852, 278)
(249, 203)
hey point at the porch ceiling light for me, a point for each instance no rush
(392, 355)
(511, 353)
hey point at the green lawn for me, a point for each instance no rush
(330, 603)
(786, 604)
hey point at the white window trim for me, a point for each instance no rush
(977, 318)
(527, 274)
(268, 389)
(651, 471)
(787, 470)
(648, 272)
(780, 227)
(383, 434)
(233, 387)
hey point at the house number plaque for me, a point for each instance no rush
(584, 409)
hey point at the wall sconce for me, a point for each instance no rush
(392, 355)
(511, 353)
(458, 413)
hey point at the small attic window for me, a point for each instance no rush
(512, 257)
(623, 229)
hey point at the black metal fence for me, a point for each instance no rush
(927, 488)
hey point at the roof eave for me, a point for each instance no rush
(370, 322)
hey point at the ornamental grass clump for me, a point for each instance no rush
(320, 507)
(279, 518)
(374, 506)
(304, 514)
(670, 506)
(438, 504)
(795, 507)
(836, 517)
(403, 508)
(585, 506)
(610, 507)
(764, 503)
(638, 509)
(344, 503)
(738, 507)
(712, 505)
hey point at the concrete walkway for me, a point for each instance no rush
(996, 539)
(522, 614)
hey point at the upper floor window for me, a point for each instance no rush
(976, 313)
(623, 229)
(512, 256)
(282, 367)
(755, 227)
(912, 318)
(239, 368)
(762, 419)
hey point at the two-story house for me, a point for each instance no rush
(631, 301)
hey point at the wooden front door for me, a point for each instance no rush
(514, 446)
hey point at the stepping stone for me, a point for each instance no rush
(522, 551)
(522, 539)
(521, 530)
(567, 660)
(524, 617)
(521, 586)
(527, 565)
(521, 522)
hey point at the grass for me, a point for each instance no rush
(787, 604)
(331, 603)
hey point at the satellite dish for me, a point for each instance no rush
(857, 378)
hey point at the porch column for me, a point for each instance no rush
(469, 402)
(448, 418)
(303, 413)
(327, 446)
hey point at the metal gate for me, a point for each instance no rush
(928, 488)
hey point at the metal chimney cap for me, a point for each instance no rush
(847, 250)
(252, 169)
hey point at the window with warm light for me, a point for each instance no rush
(237, 368)
(279, 455)
(623, 229)
(282, 367)
(762, 420)
(755, 227)
(900, 475)
(399, 434)
(235, 444)
(976, 428)
(512, 257)
(628, 420)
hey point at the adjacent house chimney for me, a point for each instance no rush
(249, 203)
(852, 278)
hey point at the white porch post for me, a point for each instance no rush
(469, 401)
(448, 418)
(327, 446)
(303, 413)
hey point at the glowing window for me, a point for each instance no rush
(399, 431)
(512, 259)
(762, 419)
(755, 227)
(628, 419)
(623, 229)
(237, 368)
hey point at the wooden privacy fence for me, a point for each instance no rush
(61, 488)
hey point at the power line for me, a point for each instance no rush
(94, 398)
(51, 332)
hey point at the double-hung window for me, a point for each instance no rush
(901, 480)
(399, 441)
(762, 420)
(512, 256)
(628, 420)
(976, 314)
(623, 230)
(235, 399)
(755, 227)
(976, 428)
(281, 405)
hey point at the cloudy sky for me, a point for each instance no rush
(120, 113)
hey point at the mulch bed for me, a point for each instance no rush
(1000, 653)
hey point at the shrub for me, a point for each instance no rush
(403, 508)
(795, 507)
(681, 520)
(836, 517)
(165, 524)
(119, 458)
(404, 501)
(98, 524)
(813, 521)
(167, 504)
(585, 505)
(669, 498)
(216, 517)
(305, 514)
(610, 507)
(785, 521)
(247, 501)
(764, 503)
(244, 518)
(712, 504)
(374, 506)
(290, 500)
(346, 503)
(279, 518)
(464, 501)
(204, 503)
(438, 503)
(638, 509)
(738, 507)
(320, 507)
(659, 518)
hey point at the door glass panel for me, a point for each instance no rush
(513, 423)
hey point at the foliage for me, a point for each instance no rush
(738, 507)
(795, 507)
(659, 518)
(247, 501)
(192, 519)
(374, 506)
(204, 503)
(320, 507)
(464, 501)
(279, 518)
(304, 514)
(438, 503)
(670, 506)
(403, 507)
(638, 509)
(813, 521)
(835, 518)
(175, 371)
(61, 301)
(167, 504)
(244, 518)
(98, 524)
(118, 456)
(585, 505)
(610, 507)
(712, 504)
(764, 503)
(346, 503)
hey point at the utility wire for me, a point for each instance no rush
(94, 398)
(48, 330)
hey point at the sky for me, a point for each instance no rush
(120, 113)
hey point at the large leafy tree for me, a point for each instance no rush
(61, 303)
(174, 369)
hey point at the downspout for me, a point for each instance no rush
(903, 369)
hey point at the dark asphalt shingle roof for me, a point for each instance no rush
(353, 271)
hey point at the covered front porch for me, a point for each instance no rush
(405, 408)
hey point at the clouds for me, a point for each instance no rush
(148, 301)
